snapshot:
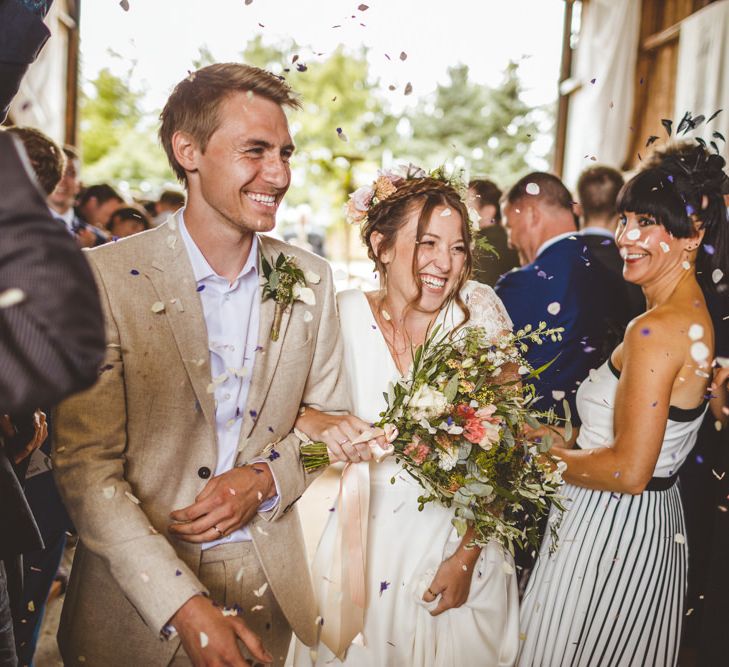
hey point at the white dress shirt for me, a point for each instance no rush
(231, 312)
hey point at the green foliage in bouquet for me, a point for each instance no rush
(463, 417)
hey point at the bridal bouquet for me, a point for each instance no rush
(459, 424)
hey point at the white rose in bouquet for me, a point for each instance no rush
(427, 403)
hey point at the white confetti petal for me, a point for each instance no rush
(311, 277)
(696, 332)
(158, 307)
(257, 607)
(557, 395)
(633, 235)
(144, 576)
(109, 492)
(446, 213)
(554, 308)
(507, 567)
(532, 189)
(305, 294)
(686, 265)
(11, 297)
(260, 591)
(699, 352)
(679, 538)
(664, 246)
(722, 361)
(717, 275)
(31, 606)
(203, 640)
(171, 241)
(308, 317)
(239, 574)
(132, 497)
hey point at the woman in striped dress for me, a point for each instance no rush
(610, 592)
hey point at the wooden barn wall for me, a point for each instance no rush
(656, 68)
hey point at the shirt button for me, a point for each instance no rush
(203, 472)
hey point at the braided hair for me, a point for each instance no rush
(389, 216)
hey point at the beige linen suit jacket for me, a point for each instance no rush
(128, 451)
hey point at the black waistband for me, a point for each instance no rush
(656, 483)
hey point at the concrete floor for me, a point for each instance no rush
(313, 509)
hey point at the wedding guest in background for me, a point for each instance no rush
(127, 221)
(597, 192)
(612, 592)
(63, 199)
(559, 285)
(96, 203)
(169, 202)
(485, 197)
(46, 157)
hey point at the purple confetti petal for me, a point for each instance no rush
(384, 585)
(134, 272)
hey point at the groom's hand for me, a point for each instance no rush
(209, 638)
(227, 503)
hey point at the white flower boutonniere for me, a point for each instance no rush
(284, 282)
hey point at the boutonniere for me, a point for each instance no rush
(284, 282)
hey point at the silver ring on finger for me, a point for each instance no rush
(220, 532)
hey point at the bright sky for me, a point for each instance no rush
(164, 36)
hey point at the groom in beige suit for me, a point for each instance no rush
(179, 467)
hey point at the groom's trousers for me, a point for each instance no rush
(234, 576)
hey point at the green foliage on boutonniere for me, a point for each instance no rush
(284, 282)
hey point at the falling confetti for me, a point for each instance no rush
(717, 275)
(363, 8)
(532, 189)
(11, 297)
(679, 538)
(664, 246)
(446, 212)
(696, 332)
(554, 308)
(557, 395)
(203, 640)
(124, 4)
(260, 591)
(109, 492)
(341, 135)
(699, 352)
(308, 317)
(132, 497)
(403, 55)
(158, 307)
(633, 235)
(686, 265)
(384, 585)
(408, 88)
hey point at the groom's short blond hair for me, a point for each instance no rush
(194, 103)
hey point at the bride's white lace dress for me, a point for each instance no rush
(405, 546)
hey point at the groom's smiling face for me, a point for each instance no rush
(244, 172)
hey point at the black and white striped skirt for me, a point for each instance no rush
(612, 593)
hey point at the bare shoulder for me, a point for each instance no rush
(660, 334)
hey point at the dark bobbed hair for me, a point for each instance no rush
(390, 215)
(682, 186)
(487, 193)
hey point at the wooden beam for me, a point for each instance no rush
(659, 39)
(72, 74)
(565, 72)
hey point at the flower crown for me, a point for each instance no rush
(387, 182)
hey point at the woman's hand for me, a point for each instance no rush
(341, 434)
(452, 581)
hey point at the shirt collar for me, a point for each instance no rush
(67, 217)
(201, 269)
(597, 231)
(555, 239)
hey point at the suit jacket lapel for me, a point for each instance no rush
(267, 355)
(173, 279)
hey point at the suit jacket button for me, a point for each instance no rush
(203, 472)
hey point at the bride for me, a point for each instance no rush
(429, 598)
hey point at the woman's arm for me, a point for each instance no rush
(650, 366)
(719, 395)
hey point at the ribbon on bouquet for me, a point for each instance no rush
(343, 606)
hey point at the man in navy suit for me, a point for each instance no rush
(561, 285)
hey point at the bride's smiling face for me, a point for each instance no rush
(438, 258)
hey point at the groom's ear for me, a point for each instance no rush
(185, 149)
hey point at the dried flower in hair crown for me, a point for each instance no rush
(387, 182)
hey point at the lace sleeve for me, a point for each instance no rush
(486, 308)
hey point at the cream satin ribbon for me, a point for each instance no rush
(343, 606)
